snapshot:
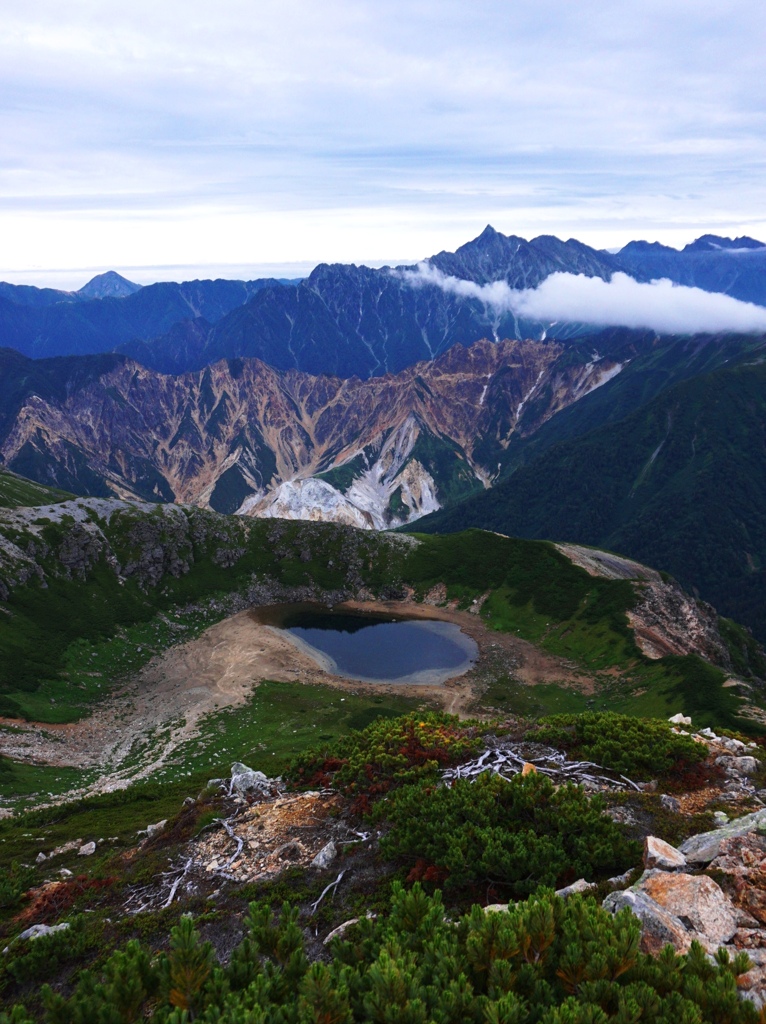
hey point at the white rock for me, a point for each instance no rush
(580, 886)
(680, 719)
(43, 929)
(659, 854)
(152, 830)
(247, 782)
(326, 856)
(87, 850)
(40, 857)
(620, 881)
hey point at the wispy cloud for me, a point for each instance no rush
(621, 302)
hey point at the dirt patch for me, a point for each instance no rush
(289, 832)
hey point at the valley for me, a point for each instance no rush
(164, 645)
(136, 732)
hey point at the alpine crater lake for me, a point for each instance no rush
(375, 648)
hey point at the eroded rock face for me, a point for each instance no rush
(229, 436)
(666, 620)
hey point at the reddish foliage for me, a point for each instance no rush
(323, 776)
(686, 777)
(425, 872)
(53, 899)
(417, 755)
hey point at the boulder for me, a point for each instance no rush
(698, 902)
(40, 857)
(680, 719)
(326, 856)
(659, 854)
(43, 929)
(247, 782)
(669, 803)
(745, 765)
(580, 886)
(706, 846)
(720, 818)
(620, 881)
(735, 746)
(86, 850)
(152, 830)
(658, 927)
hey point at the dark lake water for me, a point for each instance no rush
(376, 648)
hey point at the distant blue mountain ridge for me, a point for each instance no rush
(348, 320)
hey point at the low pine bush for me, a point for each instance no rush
(543, 961)
(516, 835)
(642, 748)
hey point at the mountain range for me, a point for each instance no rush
(354, 397)
(346, 320)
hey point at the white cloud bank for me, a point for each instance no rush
(622, 302)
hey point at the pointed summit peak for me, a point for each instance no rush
(488, 232)
(109, 285)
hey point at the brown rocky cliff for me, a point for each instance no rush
(169, 437)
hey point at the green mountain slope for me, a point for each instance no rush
(16, 491)
(679, 484)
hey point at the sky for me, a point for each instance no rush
(177, 140)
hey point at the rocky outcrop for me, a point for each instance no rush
(705, 847)
(665, 619)
(725, 909)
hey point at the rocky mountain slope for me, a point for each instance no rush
(240, 435)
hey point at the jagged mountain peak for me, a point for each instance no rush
(109, 285)
(717, 243)
(638, 246)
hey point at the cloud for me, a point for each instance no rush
(621, 302)
(436, 117)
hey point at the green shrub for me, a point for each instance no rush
(642, 748)
(544, 961)
(14, 882)
(517, 835)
